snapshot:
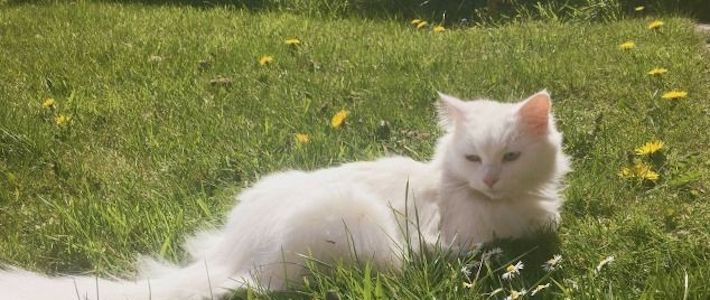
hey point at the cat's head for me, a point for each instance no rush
(501, 149)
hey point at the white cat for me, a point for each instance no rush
(495, 174)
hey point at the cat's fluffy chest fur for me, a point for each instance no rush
(495, 174)
(488, 219)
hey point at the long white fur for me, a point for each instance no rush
(354, 209)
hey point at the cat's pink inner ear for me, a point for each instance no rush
(535, 113)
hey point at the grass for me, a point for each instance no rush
(171, 115)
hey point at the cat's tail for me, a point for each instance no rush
(206, 277)
(195, 281)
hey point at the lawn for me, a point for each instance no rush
(162, 113)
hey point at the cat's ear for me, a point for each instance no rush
(534, 113)
(451, 110)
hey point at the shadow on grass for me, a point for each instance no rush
(439, 10)
(448, 11)
(434, 265)
(533, 251)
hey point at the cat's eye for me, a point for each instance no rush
(473, 158)
(511, 156)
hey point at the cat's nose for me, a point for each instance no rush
(490, 181)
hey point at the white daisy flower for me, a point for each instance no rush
(512, 270)
(553, 263)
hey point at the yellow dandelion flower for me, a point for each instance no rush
(302, 138)
(626, 173)
(294, 42)
(650, 175)
(674, 95)
(644, 171)
(649, 148)
(416, 21)
(655, 24)
(62, 120)
(439, 29)
(657, 71)
(627, 45)
(49, 103)
(639, 8)
(266, 60)
(422, 24)
(338, 119)
(639, 170)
